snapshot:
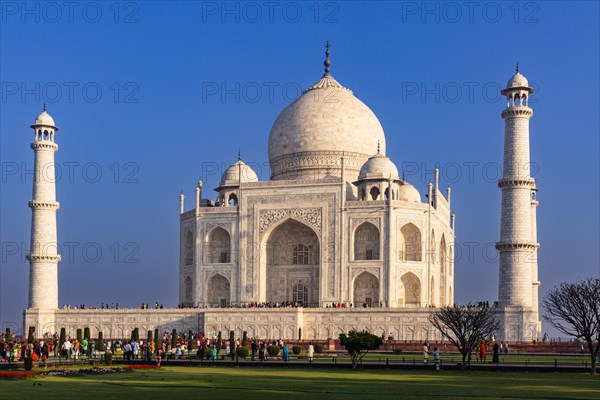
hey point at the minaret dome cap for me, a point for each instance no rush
(44, 119)
(517, 81)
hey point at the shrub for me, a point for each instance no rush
(318, 348)
(244, 338)
(63, 336)
(273, 350)
(242, 352)
(79, 335)
(86, 333)
(108, 358)
(28, 361)
(208, 353)
(296, 350)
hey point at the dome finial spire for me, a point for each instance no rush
(517, 68)
(239, 154)
(327, 62)
(44, 106)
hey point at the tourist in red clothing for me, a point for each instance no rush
(482, 352)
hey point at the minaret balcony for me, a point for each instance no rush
(44, 144)
(527, 182)
(518, 111)
(50, 205)
(39, 258)
(517, 246)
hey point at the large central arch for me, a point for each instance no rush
(292, 264)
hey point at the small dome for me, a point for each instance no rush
(408, 192)
(378, 167)
(517, 80)
(44, 119)
(231, 177)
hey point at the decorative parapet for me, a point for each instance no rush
(224, 210)
(366, 203)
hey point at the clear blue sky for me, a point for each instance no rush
(152, 96)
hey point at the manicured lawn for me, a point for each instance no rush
(216, 383)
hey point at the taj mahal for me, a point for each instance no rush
(336, 235)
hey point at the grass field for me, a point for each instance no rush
(216, 383)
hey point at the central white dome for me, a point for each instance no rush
(326, 122)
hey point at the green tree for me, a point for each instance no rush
(574, 309)
(156, 340)
(174, 338)
(149, 345)
(232, 344)
(100, 341)
(63, 337)
(31, 335)
(465, 326)
(244, 338)
(358, 344)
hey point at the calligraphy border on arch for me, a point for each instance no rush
(355, 222)
(375, 271)
(312, 216)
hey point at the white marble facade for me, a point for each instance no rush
(334, 224)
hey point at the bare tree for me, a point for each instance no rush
(574, 309)
(465, 326)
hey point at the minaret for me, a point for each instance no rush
(44, 257)
(518, 284)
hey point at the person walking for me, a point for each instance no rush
(495, 355)
(285, 353)
(311, 352)
(214, 353)
(482, 352)
(254, 348)
(436, 358)
(84, 346)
